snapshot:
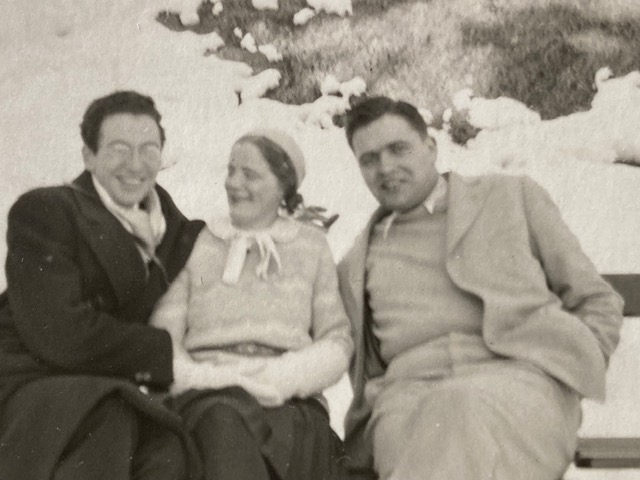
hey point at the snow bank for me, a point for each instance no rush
(572, 157)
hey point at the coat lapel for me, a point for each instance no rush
(110, 241)
(371, 361)
(172, 254)
(467, 196)
(356, 268)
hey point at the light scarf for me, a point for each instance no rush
(240, 241)
(147, 226)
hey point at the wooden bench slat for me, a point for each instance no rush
(608, 453)
(628, 286)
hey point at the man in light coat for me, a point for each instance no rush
(479, 323)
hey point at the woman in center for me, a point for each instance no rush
(258, 327)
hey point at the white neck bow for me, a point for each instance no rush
(240, 241)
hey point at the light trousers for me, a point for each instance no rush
(496, 420)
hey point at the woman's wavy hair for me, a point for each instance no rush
(281, 166)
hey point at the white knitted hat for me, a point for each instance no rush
(288, 144)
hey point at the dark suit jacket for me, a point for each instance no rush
(543, 301)
(76, 306)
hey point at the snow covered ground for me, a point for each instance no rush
(59, 55)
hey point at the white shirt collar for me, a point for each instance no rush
(107, 200)
(436, 202)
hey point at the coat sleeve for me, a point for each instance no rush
(570, 273)
(171, 314)
(55, 321)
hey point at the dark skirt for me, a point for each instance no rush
(295, 440)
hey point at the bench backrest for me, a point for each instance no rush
(627, 285)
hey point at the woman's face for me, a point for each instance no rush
(253, 191)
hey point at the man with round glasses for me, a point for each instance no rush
(79, 364)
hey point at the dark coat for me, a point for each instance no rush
(73, 320)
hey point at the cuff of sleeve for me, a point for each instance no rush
(157, 372)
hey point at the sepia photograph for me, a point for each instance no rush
(320, 240)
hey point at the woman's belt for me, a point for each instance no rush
(247, 349)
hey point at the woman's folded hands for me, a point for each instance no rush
(191, 374)
(302, 373)
(270, 380)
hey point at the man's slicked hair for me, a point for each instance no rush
(373, 108)
(113, 104)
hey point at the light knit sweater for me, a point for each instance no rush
(297, 309)
(412, 298)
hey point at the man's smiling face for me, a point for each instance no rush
(396, 162)
(128, 158)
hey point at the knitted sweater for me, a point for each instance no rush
(412, 298)
(297, 309)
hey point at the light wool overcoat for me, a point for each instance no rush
(543, 300)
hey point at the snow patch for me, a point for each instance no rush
(333, 101)
(187, 9)
(249, 43)
(615, 91)
(330, 85)
(258, 85)
(353, 88)
(216, 8)
(303, 16)
(321, 112)
(337, 7)
(265, 4)
(271, 52)
(493, 113)
(426, 114)
(205, 43)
